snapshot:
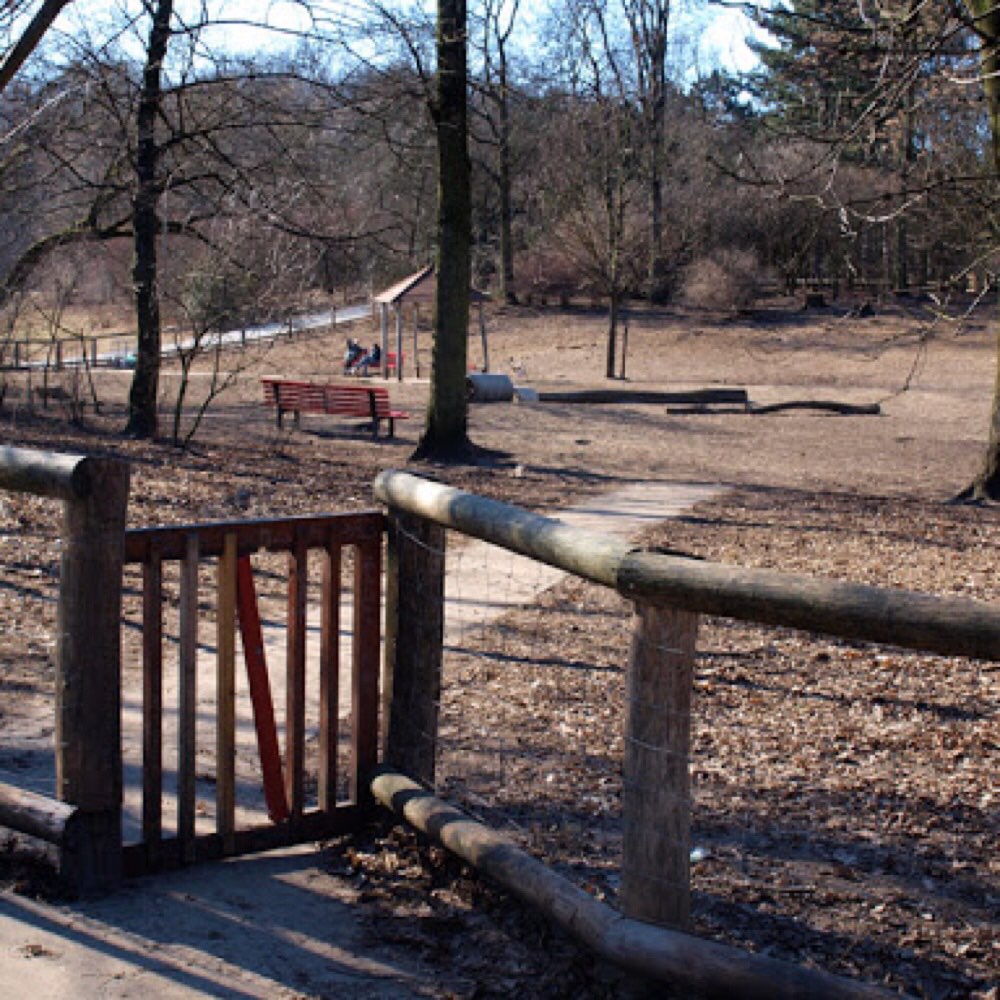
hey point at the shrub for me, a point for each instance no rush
(729, 279)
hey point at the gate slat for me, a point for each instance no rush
(365, 668)
(152, 705)
(188, 686)
(225, 734)
(329, 675)
(295, 720)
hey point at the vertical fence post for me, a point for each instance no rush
(414, 643)
(656, 796)
(88, 673)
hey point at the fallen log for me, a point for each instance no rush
(827, 405)
(697, 397)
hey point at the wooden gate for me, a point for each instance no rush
(230, 545)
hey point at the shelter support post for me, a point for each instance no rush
(399, 343)
(416, 339)
(384, 325)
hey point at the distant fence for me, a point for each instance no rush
(118, 350)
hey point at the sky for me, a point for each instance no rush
(707, 35)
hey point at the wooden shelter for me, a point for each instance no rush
(415, 290)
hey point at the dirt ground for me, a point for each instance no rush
(846, 797)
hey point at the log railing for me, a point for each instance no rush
(669, 592)
(230, 545)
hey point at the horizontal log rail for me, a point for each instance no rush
(951, 626)
(36, 815)
(47, 474)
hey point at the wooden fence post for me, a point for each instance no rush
(88, 672)
(656, 796)
(414, 643)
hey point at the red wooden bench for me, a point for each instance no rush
(367, 401)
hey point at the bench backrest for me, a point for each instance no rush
(350, 400)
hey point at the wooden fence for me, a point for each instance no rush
(669, 592)
(84, 821)
(230, 545)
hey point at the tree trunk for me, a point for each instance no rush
(658, 57)
(146, 224)
(445, 437)
(986, 485)
(614, 302)
(506, 208)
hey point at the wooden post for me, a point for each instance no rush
(416, 340)
(399, 342)
(384, 325)
(329, 676)
(624, 349)
(656, 795)
(88, 669)
(414, 643)
(152, 707)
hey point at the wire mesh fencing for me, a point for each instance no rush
(839, 812)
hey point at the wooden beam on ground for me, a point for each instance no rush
(703, 397)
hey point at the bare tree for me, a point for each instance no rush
(14, 57)
(445, 436)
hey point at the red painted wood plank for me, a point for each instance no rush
(260, 692)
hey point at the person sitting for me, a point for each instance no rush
(352, 354)
(373, 357)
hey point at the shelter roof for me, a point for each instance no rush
(419, 287)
